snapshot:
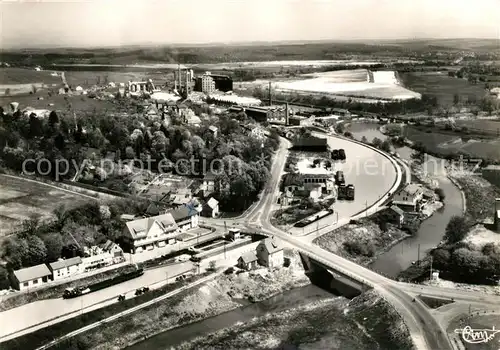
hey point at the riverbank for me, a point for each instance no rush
(366, 322)
(361, 242)
(223, 294)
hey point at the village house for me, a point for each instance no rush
(211, 208)
(233, 234)
(186, 216)
(248, 261)
(31, 277)
(66, 267)
(270, 253)
(101, 255)
(208, 185)
(182, 196)
(396, 215)
(409, 198)
(213, 130)
(149, 233)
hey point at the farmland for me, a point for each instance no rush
(20, 199)
(443, 87)
(360, 83)
(448, 143)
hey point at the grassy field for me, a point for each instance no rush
(443, 87)
(19, 199)
(79, 103)
(26, 76)
(451, 143)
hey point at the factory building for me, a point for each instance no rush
(209, 83)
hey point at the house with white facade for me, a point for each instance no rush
(211, 208)
(186, 216)
(270, 253)
(31, 277)
(409, 198)
(63, 268)
(150, 233)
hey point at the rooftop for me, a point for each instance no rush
(397, 209)
(140, 228)
(61, 264)
(272, 245)
(31, 273)
(249, 257)
(413, 189)
(305, 167)
(492, 167)
(183, 212)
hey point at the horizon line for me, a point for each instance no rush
(240, 43)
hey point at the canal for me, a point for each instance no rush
(431, 232)
(282, 302)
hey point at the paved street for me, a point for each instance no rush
(44, 310)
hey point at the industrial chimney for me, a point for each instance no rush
(187, 83)
(179, 76)
(287, 115)
(270, 95)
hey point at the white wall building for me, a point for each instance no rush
(66, 267)
(32, 277)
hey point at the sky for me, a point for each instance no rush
(132, 22)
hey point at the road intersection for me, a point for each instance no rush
(426, 332)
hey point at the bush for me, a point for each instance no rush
(440, 193)
(360, 248)
(456, 230)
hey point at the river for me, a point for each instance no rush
(282, 302)
(431, 232)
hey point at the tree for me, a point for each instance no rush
(15, 252)
(53, 118)
(31, 224)
(385, 146)
(456, 230)
(440, 193)
(54, 244)
(364, 139)
(37, 252)
(61, 215)
(339, 128)
(376, 142)
(4, 278)
(456, 99)
(441, 258)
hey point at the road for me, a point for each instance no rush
(425, 331)
(129, 311)
(14, 322)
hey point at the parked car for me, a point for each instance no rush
(229, 270)
(195, 259)
(141, 291)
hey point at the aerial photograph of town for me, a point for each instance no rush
(233, 174)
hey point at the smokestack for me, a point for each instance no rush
(187, 83)
(270, 95)
(287, 115)
(179, 76)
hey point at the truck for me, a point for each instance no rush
(342, 154)
(339, 178)
(74, 292)
(338, 154)
(342, 192)
(350, 192)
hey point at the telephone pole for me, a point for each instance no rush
(418, 256)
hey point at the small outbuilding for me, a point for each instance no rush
(31, 277)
